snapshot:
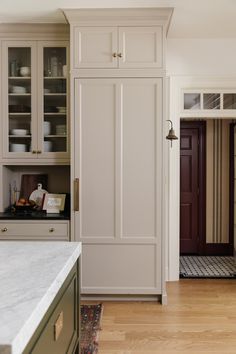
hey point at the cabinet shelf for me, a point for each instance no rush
(19, 94)
(56, 136)
(54, 114)
(19, 77)
(20, 114)
(54, 77)
(19, 136)
(55, 94)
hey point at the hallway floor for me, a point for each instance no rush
(207, 267)
(200, 318)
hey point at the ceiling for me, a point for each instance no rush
(191, 18)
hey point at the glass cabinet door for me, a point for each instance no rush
(55, 125)
(19, 101)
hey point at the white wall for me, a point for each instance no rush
(191, 63)
(206, 57)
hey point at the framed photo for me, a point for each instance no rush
(54, 203)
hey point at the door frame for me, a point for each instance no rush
(201, 126)
(204, 248)
(177, 85)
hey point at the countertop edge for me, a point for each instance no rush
(24, 335)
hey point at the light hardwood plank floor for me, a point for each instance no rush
(200, 318)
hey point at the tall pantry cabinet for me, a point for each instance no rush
(117, 100)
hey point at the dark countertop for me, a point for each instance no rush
(36, 215)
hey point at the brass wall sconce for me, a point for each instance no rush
(171, 135)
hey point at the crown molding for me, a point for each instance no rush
(119, 16)
(34, 31)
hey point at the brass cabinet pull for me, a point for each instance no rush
(58, 326)
(114, 55)
(34, 152)
(4, 229)
(120, 55)
(51, 229)
(76, 194)
(39, 152)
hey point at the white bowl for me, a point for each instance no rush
(18, 147)
(61, 129)
(19, 132)
(18, 89)
(25, 71)
(61, 109)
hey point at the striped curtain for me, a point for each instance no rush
(217, 184)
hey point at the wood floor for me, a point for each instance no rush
(200, 318)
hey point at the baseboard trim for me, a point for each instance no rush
(98, 297)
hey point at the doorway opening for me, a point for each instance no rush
(207, 198)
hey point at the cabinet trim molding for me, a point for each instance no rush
(141, 16)
(34, 31)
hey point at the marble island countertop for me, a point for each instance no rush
(31, 273)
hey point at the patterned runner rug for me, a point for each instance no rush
(207, 267)
(90, 326)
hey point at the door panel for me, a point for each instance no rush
(140, 47)
(139, 175)
(97, 157)
(189, 189)
(95, 46)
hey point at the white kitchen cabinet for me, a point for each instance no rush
(118, 47)
(118, 100)
(119, 127)
(38, 230)
(34, 89)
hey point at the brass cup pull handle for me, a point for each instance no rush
(76, 194)
(58, 326)
(51, 229)
(120, 55)
(4, 229)
(114, 55)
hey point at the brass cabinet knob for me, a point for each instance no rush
(120, 55)
(114, 55)
(34, 152)
(51, 229)
(4, 229)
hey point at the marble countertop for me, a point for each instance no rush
(31, 274)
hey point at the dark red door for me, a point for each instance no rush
(189, 189)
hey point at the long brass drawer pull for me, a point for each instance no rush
(4, 229)
(76, 194)
(58, 326)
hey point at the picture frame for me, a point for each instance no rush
(54, 203)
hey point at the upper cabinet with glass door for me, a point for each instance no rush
(54, 135)
(35, 123)
(19, 94)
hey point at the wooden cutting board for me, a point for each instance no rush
(30, 182)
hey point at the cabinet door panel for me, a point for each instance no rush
(140, 47)
(141, 134)
(96, 135)
(94, 47)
